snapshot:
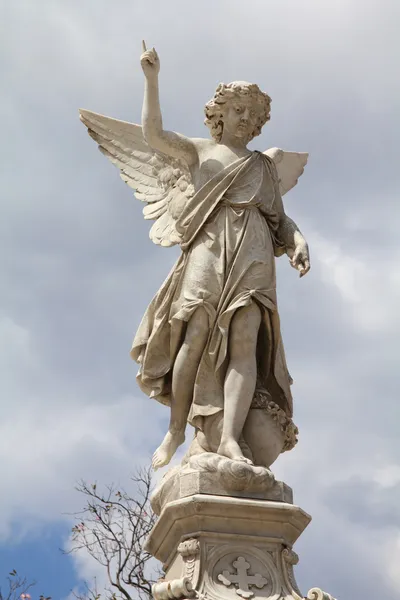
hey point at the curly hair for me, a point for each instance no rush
(225, 93)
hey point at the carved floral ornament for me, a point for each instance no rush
(262, 400)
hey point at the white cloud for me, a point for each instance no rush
(50, 437)
(89, 571)
(392, 556)
(388, 476)
(368, 286)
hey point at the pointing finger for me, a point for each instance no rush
(305, 267)
(144, 46)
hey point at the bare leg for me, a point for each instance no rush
(241, 377)
(183, 378)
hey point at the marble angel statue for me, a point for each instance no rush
(209, 345)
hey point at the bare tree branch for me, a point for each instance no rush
(18, 588)
(112, 528)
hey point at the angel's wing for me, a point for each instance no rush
(289, 165)
(161, 181)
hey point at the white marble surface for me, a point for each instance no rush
(211, 473)
(229, 547)
(210, 341)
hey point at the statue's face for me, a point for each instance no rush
(240, 117)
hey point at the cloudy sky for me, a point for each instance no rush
(78, 269)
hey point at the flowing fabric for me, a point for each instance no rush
(229, 242)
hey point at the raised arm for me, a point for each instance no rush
(170, 143)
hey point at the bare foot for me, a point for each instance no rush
(231, 449)
(167, 449)
(247, 453)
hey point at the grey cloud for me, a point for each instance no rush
(366, 503)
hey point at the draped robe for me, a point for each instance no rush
(229, 242)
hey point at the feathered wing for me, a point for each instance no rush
(289, 165)
(164, 183)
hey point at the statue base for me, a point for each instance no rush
(218, 547)
(210, 473)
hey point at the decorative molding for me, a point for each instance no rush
(318, 594)
(289, 560)
(189, 548)
(174, 589)
(190, 552)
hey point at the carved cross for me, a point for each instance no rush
(242, 580)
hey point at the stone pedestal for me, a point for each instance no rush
(210, 473)
(220, 547)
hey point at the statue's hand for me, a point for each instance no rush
(300, 258)
(150, 63)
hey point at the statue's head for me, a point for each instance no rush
(240, 107)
